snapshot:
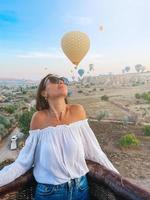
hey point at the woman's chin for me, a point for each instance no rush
(63, 94)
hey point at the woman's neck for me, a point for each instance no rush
(58, 112)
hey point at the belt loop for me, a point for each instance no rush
(78, 180)
(69, 183)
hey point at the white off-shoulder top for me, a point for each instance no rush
(57, 154)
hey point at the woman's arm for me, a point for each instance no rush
(23, 162)
(91, 145)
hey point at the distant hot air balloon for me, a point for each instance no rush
(75, 46)
(73, 78)
(91, 67)
(81, 72)
(139, 67)
(101, 28)
(127, 68)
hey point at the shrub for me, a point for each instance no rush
(146, 96)
(102, 115)
(129, 140)
(10, 109)
(5, 121)
(69, 93)
(12, 120)
(137, 96)
(92, 83)
(133, 118)
(104, 98)
(80, 91)
(26, 99)
(24, 92)
(125, 120)
(147, 130)
(2, 128)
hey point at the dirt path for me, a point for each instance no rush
(5, 151)
(129, 112)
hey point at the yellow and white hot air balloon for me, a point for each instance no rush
(75, 45)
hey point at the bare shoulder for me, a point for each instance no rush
(79, 111)
(37, 119)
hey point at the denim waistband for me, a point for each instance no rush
(73, 181)
(76, 180)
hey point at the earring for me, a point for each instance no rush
(45, 98)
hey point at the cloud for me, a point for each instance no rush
(8, 16)
(41, 55)
(79, 20)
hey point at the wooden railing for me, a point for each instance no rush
(103, 183)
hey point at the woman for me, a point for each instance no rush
(59, 141)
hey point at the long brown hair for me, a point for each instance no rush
(41, 102)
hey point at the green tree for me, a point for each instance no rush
(147, 130)
(25, 119)
(5, 121)
(10, 109)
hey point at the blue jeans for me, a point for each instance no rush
(75, 189)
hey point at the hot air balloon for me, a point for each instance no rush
(91, 67)
(127, 68)
(101, 28)
(75, 45)
(138, 67)
(81, 72)
(73, 78)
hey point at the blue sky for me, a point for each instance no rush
(31, 31)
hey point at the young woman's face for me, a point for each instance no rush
(56, 89)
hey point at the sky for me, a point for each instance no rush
(31, 32)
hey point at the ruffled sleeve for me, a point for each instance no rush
(23, 162)
(92, 147)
